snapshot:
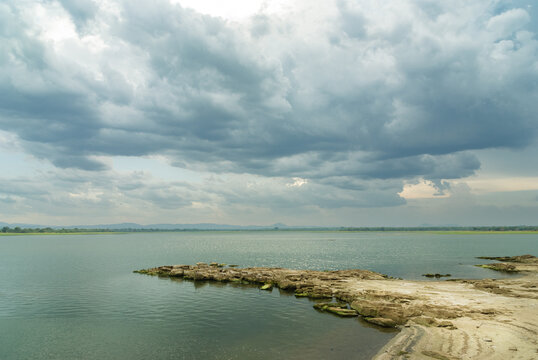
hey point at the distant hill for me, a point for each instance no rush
(21, 225)
(201, 226)
(135, 226)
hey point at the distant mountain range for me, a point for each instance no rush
(278, 226)
(202, 226)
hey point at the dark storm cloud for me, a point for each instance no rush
(397, 91)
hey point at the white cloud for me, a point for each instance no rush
(508, 22)
(297, 182)
(421, 190)
(231, 9)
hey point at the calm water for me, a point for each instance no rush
(75, 297)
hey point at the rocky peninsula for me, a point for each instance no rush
(451, 319)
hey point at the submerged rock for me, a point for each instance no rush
(267, 287)
(342, 312)
(338, 308)
(436, 275)
(325, 305)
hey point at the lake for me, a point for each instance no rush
(75, 296)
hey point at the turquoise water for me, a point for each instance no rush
(75, 296)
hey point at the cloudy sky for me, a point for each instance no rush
(329, 112)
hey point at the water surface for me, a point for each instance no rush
(75, 296)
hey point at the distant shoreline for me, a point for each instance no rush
(65, 233)
(455, 231)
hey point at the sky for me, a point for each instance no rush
(255, 112)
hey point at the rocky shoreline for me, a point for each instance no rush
(435, 317)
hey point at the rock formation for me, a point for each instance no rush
(429, 313)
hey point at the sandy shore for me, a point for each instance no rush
(496, 319)
(459, 319)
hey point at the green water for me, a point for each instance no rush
(75, 297)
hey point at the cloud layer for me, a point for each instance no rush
(357, 97)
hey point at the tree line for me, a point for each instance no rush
(445, 228)
(19, 230)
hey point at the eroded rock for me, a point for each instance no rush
(383, 322)
(500, 267)
(527, 258)
(342, 312)
(511, 264)
(436, 275)
(379, 304)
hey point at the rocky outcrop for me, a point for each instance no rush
(377, 307)
(526, 259)
(383, 322)
(511, 264)
(429, 314)
(308, 283)
(500, 267)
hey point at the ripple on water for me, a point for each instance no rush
(76, 296)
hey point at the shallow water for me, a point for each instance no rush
(75, 296)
